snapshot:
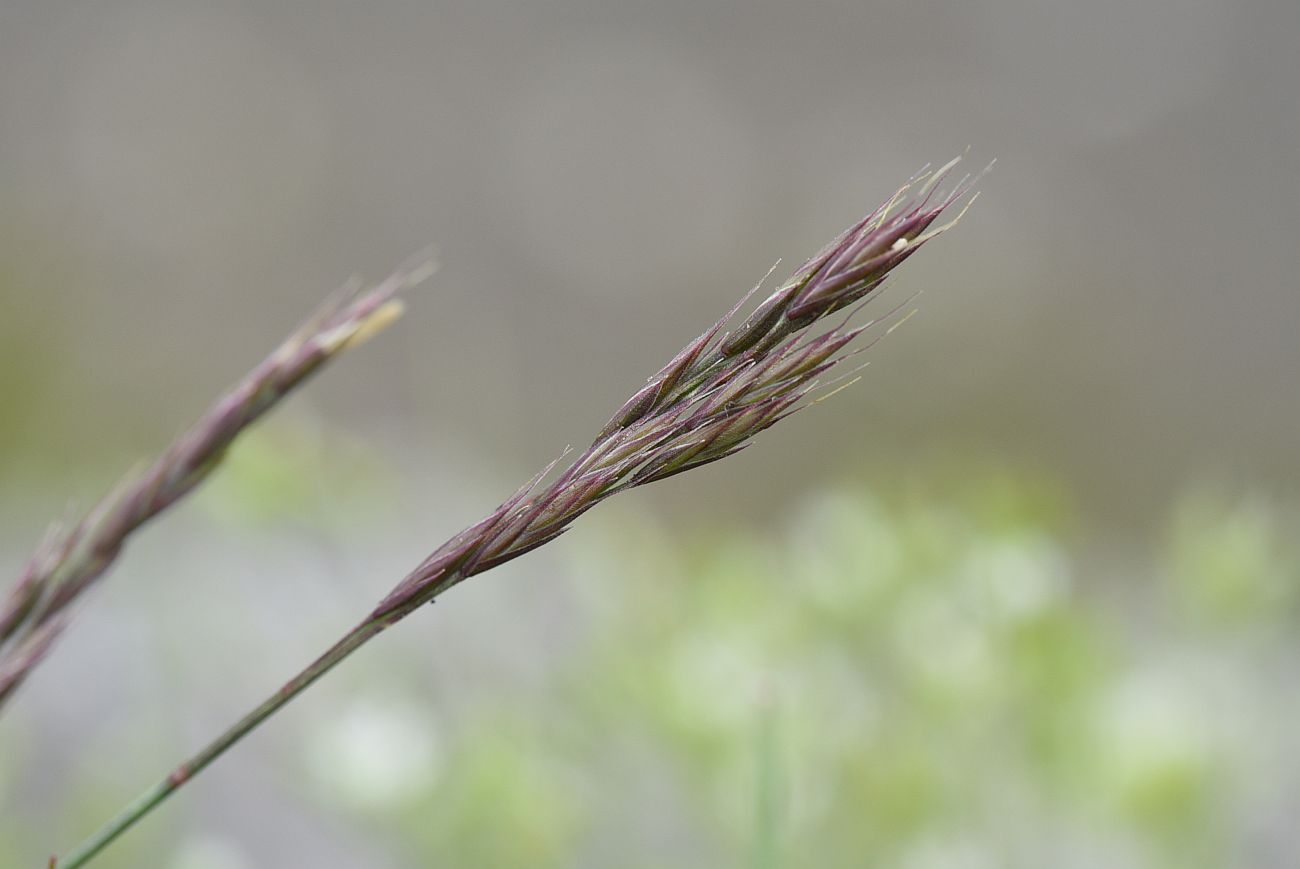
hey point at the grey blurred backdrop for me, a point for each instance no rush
(180, 183)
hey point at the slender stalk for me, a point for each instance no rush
(707, 403)
(150, 799)
(767, 787)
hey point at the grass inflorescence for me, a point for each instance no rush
(709, 402)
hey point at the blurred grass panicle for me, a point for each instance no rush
(70, 559)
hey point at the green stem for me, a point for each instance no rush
(768, 788)
(150, 799)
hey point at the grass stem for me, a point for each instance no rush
(154, 796)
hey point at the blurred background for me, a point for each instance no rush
(1028, 595)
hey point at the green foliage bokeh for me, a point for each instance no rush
(913, 680)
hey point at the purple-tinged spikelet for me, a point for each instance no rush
(711, 399)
